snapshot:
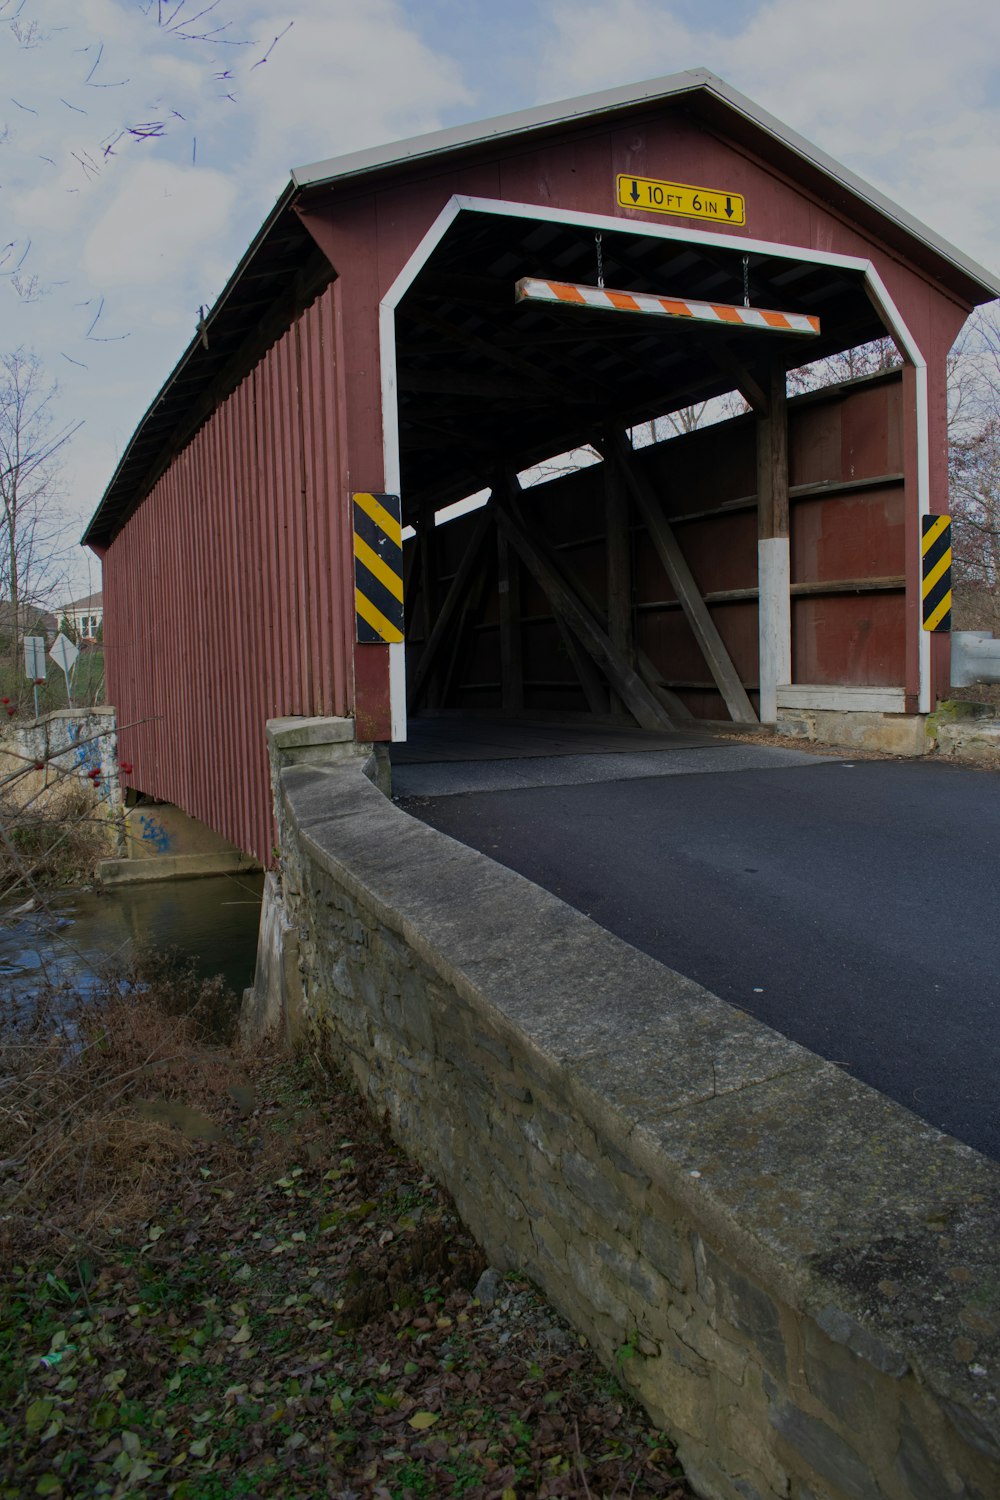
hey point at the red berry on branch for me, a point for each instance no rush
(39, 765)
(6, 700)
(125, 766)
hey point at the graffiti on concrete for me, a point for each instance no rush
(88, 760)
(153, 832)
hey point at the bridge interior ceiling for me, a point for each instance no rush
(483, 380)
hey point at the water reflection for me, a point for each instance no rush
(211, 922)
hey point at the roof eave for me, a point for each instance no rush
(439, 143)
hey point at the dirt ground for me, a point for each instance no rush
(220, 1278)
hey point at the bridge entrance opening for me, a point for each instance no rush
(620, 518)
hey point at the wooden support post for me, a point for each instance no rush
(456, 594)
(682, 581)
(773, 553)
(641, 702)
(511, 647)
(618, 559)
(751, 386)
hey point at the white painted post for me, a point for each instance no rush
(774, 622)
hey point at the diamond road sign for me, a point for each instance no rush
(64, 653)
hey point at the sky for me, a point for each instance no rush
(142, 142)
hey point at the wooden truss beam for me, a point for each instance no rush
(568, 608)
(682, 581)
(650, 673)
(588, 676)
(511, 643)
(455, 596)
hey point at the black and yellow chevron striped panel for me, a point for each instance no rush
(935, 572)
(378, 568)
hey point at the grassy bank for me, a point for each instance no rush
(86, 679)
(220, 1278)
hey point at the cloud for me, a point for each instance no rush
(154, 226)
(160, 221)
(897, 91)
(346, 76)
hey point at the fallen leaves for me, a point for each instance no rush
(292, 1317)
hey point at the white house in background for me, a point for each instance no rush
(85, 615)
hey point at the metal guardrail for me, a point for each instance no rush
(975, 657)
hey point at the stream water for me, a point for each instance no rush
(211, 922)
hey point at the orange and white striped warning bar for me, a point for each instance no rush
(569, 294)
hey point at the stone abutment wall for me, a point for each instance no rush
(806, 1275)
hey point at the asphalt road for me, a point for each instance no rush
(852, 905)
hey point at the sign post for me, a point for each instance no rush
(64, 654)
(34, 663)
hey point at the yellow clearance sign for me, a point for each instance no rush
(653, 196)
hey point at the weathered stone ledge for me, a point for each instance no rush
(811, 1273)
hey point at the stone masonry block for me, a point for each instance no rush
(846, 1384)
(846, 1330)
(624, 1165)
(550, 1244)
(665, 1248)
(594, 1285)
(920, 1474)
(625, 1266)
(696, 1334)
(676, 1388)
(497, 1049)
(534, 1133)
(745, 1306)
(824, 1451)
(746, 1437)
(596, 1188)
(712, 1482)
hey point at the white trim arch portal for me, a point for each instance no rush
(874, 286)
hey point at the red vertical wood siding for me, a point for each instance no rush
(228, 591)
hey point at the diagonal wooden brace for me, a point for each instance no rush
(668, 550)
(456, 593)
(645, 708)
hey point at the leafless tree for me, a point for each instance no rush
(974, 471)
(975, 506)
(32, 445)
(873, 358)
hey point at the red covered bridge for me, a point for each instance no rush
(432, 320)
